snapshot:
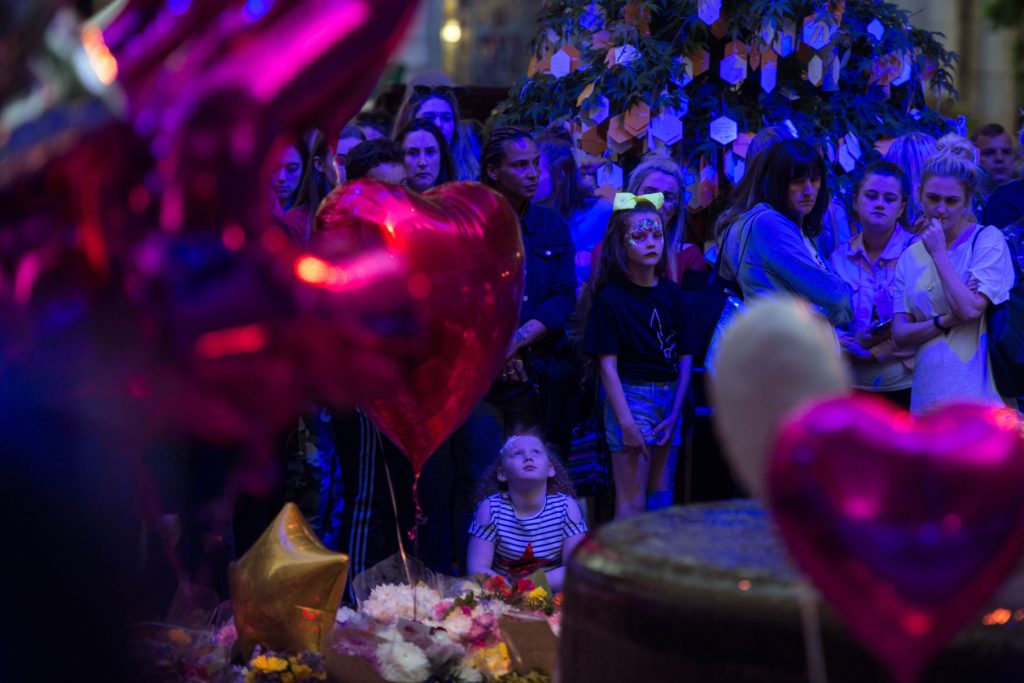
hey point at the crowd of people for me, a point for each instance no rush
(904, 268)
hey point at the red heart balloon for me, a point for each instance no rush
(465, 255)
(906, 526)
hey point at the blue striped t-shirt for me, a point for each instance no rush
(522, 545)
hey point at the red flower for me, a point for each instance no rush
(524, 586)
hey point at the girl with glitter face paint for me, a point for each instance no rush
(637, 331)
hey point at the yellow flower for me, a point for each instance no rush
(301, 670)
(537, 593)
(268, 664)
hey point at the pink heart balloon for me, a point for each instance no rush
(465, 256)
(906, 526)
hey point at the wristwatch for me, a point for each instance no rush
(939, 327)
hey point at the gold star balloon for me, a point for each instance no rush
(285, 590)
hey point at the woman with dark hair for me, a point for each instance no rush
(772, 246)
(428, 163)
(559, 187)
(437, 104)
(868, 264)
(319, 177)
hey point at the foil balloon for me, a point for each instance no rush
(465, 255)
(906, 526)
(285, 590)
(156, 188)
(775, 355)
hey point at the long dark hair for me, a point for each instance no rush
(466, 165)
(447, 172)
(314, 185)
(613, 265)
(560, 483)
(785, 162)
(557, 150)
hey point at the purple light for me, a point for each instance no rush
(255, 9)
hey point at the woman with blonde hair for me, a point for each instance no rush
(944, 283)
(910, 152)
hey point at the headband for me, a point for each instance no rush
(625, 200)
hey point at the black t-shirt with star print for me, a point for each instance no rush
(644, 326)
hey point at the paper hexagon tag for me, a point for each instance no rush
(707, 186)
(814, 70)
(754, 59)
(538, 66)
(593, 140)
(593, 17)
(733, 67)
(905, 72)
(769, 70)
(720, 28)
(637, 118)
(767, 33)
(723, 130)
(876, 29)
(700, 61)
(561, 64)
(741, 144)
(597, 111)
(830, 152)
(610, 174)
(854, 144)
(785, 39)
(601, 40)
(817, 33)
(565, 61)
(882, 145)
(585, 93)
(667, 126)
(625, 54)
(830, 73)
(733, 166)
(682, 71)
(844, 157)
(709, 10)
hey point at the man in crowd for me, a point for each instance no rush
(996, 151)
(1005, 207)
(381, 159)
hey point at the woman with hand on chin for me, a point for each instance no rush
(943, 285)
(868, 264)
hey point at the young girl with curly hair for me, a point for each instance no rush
(527, 518)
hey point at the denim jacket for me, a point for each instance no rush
(776, 258)
(550, 292)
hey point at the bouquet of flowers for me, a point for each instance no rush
(271, 667)
(438, 629)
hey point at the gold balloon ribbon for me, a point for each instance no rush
(625, 200)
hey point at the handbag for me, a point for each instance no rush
(588, 461)
(731, 296)
(1005, 328)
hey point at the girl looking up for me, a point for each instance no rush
(527, 518)
(636, 329)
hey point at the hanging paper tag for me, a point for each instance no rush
(876, 29)
(814, 69)
(723, 130)
(709, 10)
(667, 126)
(769, 70)
(817, 32)
(733, 67)
(609, 174)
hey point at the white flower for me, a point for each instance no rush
(467, 674)
(388, 602)
(458, 624)
(401, 662)
(345, 615)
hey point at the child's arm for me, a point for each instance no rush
(632, 439)
(667, 427)
(480, 553)
(556, 577)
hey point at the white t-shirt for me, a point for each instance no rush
(953, 367)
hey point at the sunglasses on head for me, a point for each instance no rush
(437, 90)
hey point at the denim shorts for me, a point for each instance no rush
(650, 403)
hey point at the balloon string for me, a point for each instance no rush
(398, 525)
(813, 647)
